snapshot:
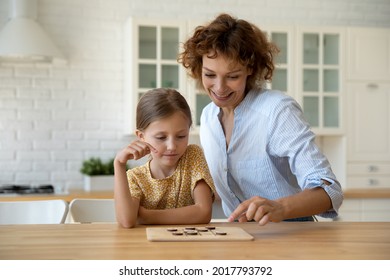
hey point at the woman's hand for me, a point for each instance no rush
(135, 150)
(259, 209)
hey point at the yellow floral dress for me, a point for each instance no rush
(176, 190)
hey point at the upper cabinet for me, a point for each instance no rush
(309, 67)
(319, 82)
(151, 52)
(368, 54)
(282, 76)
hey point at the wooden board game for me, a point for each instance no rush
(208, 233)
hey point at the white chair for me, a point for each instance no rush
(33, 212)
(92, 210)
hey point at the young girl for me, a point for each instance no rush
(174, 186)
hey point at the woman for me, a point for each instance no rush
(260, 150)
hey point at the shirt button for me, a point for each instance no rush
(225, 169)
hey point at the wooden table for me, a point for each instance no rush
(275, 241)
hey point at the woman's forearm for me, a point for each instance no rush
(306, 203)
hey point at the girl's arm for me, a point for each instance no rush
(126, 206)
(199, 213)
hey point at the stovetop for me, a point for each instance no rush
(25, 189)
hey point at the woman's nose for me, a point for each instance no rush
(220, 85)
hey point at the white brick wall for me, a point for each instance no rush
(53, 117)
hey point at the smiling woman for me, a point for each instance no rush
(232, 59)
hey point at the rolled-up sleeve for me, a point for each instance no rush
(292, 138)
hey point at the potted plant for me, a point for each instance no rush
(98, 175)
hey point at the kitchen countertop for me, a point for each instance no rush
(348, 194)
(367, 193)
(69, 196)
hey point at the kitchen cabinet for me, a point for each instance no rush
(368, 174)
(368, 54)
(369, 122)
(368, 135)
(151, 49)
(282, 77)
(368, 87)
(320, 78)
(365, 210)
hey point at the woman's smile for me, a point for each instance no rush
(222, 96)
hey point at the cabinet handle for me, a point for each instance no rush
(372, 86)
(372, 168)
(372, 182)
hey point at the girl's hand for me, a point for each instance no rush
(135, 150)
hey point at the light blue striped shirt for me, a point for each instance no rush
(271, 154)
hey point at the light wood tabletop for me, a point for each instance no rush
(275, 241)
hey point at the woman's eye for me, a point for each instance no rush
(233, 77)
(160, 137)
(209, 75)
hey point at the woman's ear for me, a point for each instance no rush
(249, 71)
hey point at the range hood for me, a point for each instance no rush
(22, 39)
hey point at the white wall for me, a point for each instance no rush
(53, 117)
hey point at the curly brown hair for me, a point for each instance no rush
(237, 40)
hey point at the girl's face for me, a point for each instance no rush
(224, 81)
(169, 136)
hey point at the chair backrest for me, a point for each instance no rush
(92, 210)
(33, 212)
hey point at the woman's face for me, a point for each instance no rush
(224, 81)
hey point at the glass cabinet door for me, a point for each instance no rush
(320, 79)
(202, 99)
(157, 53)
(280, 79)
(151, 50)
(147, 43)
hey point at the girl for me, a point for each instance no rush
(174, 186)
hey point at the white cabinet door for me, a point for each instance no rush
(320, 80)
(369, 121)
(151, 49)
(365, 210)
(368, 56)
